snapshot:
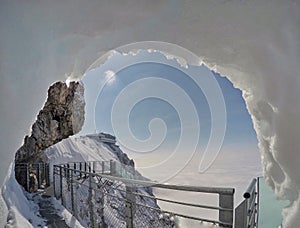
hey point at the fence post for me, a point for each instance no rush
(47, 175)
(80, 168)
(112, 165)
(44, 175)
(72, 192)
(103, 167)
(90, 201)
(94, 167)
(68, 171)
(90, 167)
(38, 175)
(61, 185)
(130, 206)
(258, 191)
(27, 177)
(54, 185)
(226, 216)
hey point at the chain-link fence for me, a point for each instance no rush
(97, 199)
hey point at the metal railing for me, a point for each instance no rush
(110, 167)
(99, 198)
(106, 191)
(33, 176)
(246, 213)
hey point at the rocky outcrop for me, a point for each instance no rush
(61, 116)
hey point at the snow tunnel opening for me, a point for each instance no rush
(254, 100)
(104, 94)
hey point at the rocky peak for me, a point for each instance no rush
(61, 117)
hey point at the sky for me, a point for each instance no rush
(134, 85)
(144, 102)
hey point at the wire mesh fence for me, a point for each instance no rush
(100, 200)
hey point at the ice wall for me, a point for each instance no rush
(255, 43)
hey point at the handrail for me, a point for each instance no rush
(185, 204)
(250, 204)
(225, 207)
(250, 189)
(177, 214)
(246, 214)
(215, 190)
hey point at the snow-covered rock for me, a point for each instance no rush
(61, 116)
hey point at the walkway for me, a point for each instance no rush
(48, 212)
(47, 209)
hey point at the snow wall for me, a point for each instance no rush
(254, 43)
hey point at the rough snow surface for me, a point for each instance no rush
(20, 209)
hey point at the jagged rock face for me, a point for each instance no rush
(61, 117)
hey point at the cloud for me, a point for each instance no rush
(110, 76)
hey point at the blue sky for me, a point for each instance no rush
(106, 83)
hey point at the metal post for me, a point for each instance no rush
(65, 170)
(44, 173)
(54, 186)
(94, 167)
(48, 173)
(103, 168)
(90, 202)
(61, 185)
(226, 216)
(38, 175)
(257, 213)
(72, 193)
(80, 168)
(68, 170)
(130, 206)
(112, 167)
(27, 177)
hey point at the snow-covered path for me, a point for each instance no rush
(49, 212)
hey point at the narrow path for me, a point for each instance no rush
(48, 212)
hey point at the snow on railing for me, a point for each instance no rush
(120, 198)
